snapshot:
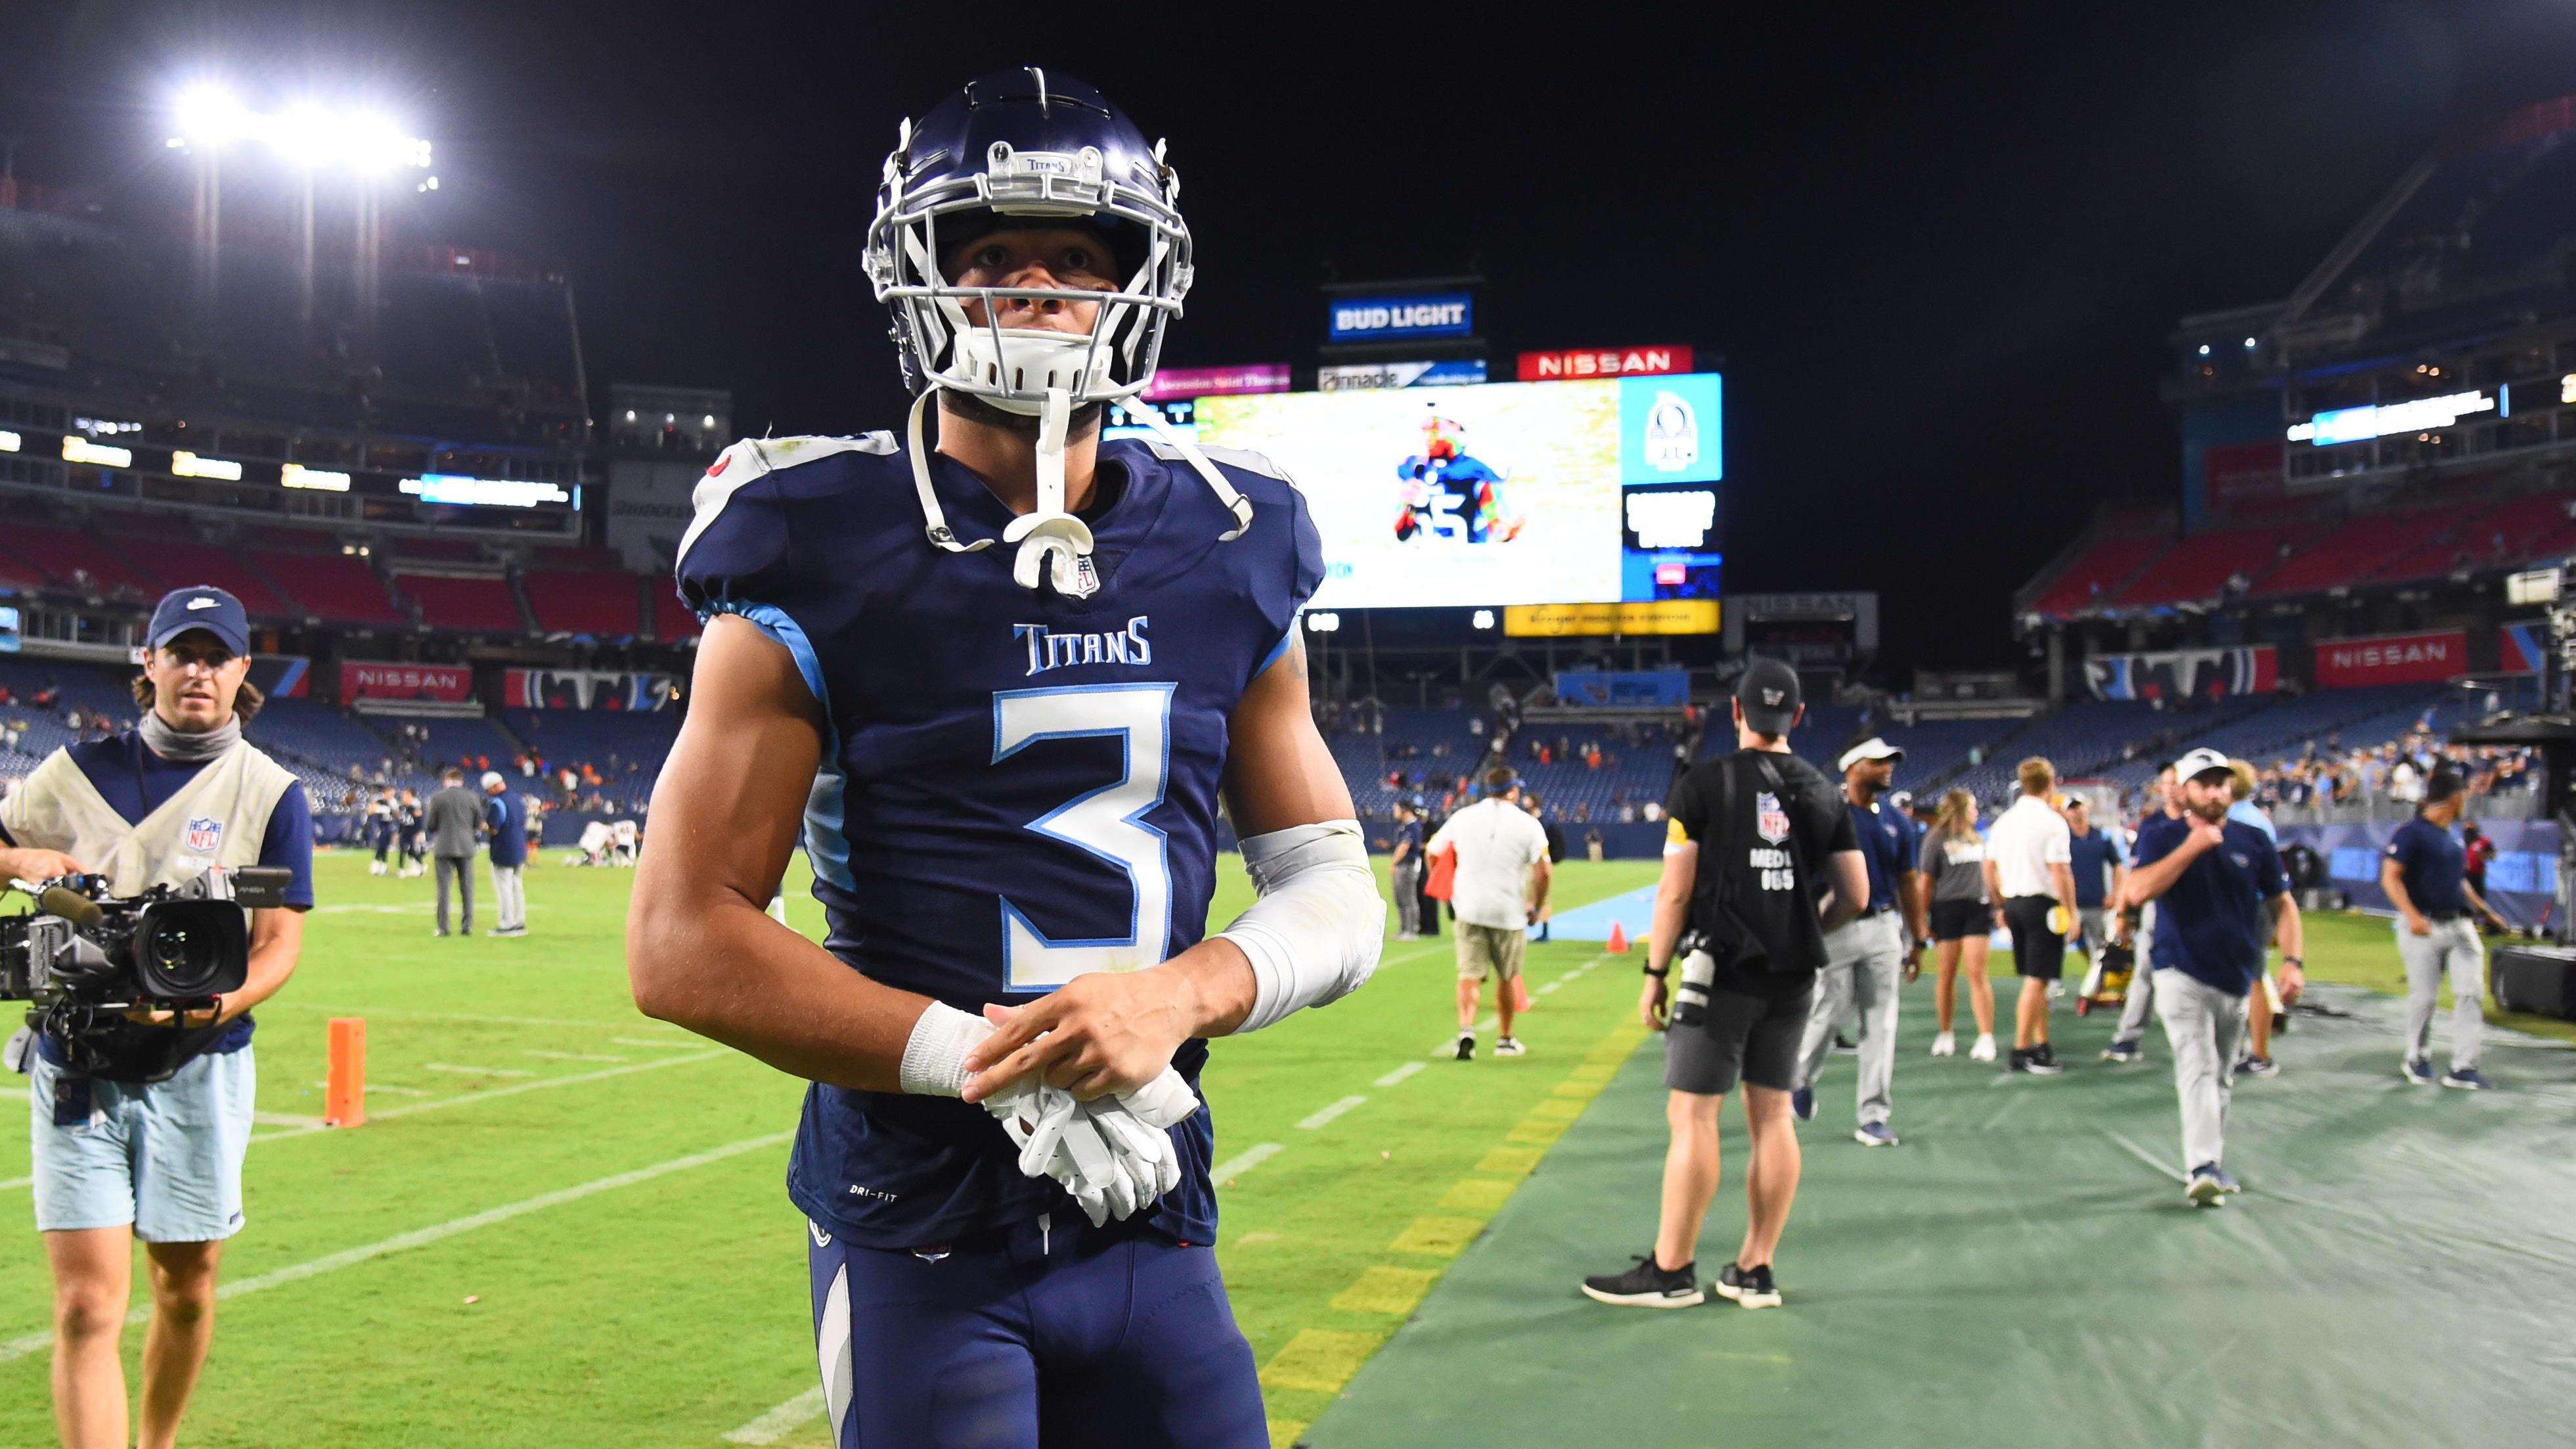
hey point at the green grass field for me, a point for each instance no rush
(564, 1225)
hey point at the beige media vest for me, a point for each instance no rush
(217, 818)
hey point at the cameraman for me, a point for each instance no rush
(150, 1143)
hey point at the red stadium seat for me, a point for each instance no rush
(478, 606)
(2200, 566)
(671, 618)
(2360, 548)
(2527, 528)
(177, 565)
(596, 603)
(74, 560)
(2097, 573)
(332, 586)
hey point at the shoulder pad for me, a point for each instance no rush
(1248, 461)
(749, 459)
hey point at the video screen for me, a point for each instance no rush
(1506, 493)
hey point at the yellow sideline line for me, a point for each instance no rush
(1323, 1360)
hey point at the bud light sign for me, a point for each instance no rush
(1380, 319)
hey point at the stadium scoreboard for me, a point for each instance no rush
(1584, 492)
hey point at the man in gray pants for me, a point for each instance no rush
(2425, 873)
(1867, 960)
(453, 815)
(2213, 879)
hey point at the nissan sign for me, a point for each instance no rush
(1603, 362)
(1424, 314)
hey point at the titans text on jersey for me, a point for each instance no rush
(978, 834)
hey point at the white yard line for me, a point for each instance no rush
(1324, 1116)
(572, 1056)
(474, 1071)
(18, 1348)
(775, 1425)
(1399, 1074)
(383, 1087)
(1244, 1161)
(496, 1093)
(284, 1119)
(2143, 1155)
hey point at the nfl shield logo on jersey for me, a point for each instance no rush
(203, 834)
(1770, 819)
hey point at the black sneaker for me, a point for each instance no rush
(2124, 1051)
(1466, 1046)
(1749, 1287)
(1648, 1286)
(2043, 1061)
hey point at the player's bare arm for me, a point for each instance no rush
(1108, 1032)
(1672, 916)
(701, 949)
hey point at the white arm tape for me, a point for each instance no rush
(934, 1058)
(1315, 933)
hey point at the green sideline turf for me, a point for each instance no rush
(577, 1228)
(2399, 1271)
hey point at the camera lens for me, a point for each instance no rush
(191, 949)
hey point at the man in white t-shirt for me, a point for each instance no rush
(1499, 888)
(2031, 881)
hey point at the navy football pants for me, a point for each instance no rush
(1064, 1337)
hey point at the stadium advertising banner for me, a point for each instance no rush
(2185, 673)
(1623, 688)
(2425, 658)
(585, 689)
(1603, 362)
(1651, 616)
(2521, 647)
(1400, 318)
(404, 681)
(1508, 493)
(1182, 382)
(281, 676)
(1362, 376)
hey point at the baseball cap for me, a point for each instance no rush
(492, 778)
(200, 606)
(1872, 748)
(1769, 694)
(2197, 763)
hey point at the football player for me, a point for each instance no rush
(1449, 493)
(995, 687)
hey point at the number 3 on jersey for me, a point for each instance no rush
(1108, 822)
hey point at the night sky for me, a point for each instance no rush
(1939, 256)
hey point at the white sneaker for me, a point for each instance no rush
(1984, 1050)
(1945, 1045)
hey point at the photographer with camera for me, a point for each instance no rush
(1760, 861)
(140, 1113)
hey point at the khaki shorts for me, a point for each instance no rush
(1494, 950)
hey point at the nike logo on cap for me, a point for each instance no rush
(195, 604)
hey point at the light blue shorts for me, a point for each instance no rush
(163, 1156)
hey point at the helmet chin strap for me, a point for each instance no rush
(1049, 537)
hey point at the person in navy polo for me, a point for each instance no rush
(2213, 879)
(2425, 873)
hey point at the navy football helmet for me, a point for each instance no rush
(1023, 147)
(1019, 148)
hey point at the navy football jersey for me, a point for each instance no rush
(1017, 787)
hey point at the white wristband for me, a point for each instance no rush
(934, 1059)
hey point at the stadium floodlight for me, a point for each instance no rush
(1481, 619)
(296, 475)
(82, 450)
(9, 442)
(209, 116)
(308, 135)
(1323, 623)
(184, 464)
(488, 492)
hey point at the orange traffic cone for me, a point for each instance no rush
(1618, 940)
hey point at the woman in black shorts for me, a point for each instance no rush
(1954, 856)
